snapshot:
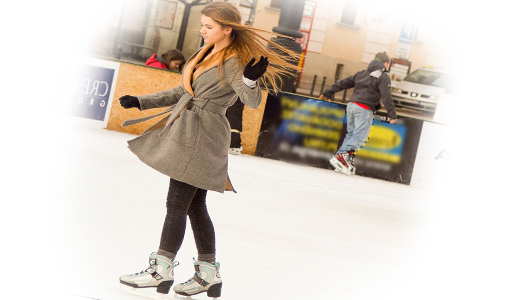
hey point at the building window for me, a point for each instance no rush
(348, 13)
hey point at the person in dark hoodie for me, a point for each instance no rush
(371, 85)
(171, 60)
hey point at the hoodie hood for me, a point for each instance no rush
(376, 68)
(375, 65)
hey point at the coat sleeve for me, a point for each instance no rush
(341, 85)
(384, 88)
(251, 97)
(161, 99)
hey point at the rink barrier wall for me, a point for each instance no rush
(136, 79)
(290, 127)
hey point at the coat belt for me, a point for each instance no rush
(209, 106)
(176, 110)
(187, 100)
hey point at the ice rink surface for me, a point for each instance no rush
(291, 232)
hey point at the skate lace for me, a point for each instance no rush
(141, 272)
(174, 264)
(188, 281)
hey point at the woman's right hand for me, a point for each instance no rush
(254, 72)
(128, 101)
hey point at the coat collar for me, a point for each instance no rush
(189, 69)
(188, 72)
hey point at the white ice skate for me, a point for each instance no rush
(206, 279)
(236, 151)
(160, 274)
(351, 162)
(339, 162)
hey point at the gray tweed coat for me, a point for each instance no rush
(191, 143)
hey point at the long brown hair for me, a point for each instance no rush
(247, 43)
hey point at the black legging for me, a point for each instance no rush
(182, 200)
(234, 116)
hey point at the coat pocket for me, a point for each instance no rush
(185, 129)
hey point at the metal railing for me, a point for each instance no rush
(309, 88)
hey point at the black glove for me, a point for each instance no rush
(129, 101)
(255, 72)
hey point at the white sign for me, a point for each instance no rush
(87, 88)
(403, 50)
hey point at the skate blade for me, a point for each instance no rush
(341, 172)
(202, 296)
(148, 293)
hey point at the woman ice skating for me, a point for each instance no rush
(190, 144)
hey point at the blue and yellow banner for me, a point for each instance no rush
(305, 130)
(385, 143)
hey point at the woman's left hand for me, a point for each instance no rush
(128, 101)
(254, 72)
